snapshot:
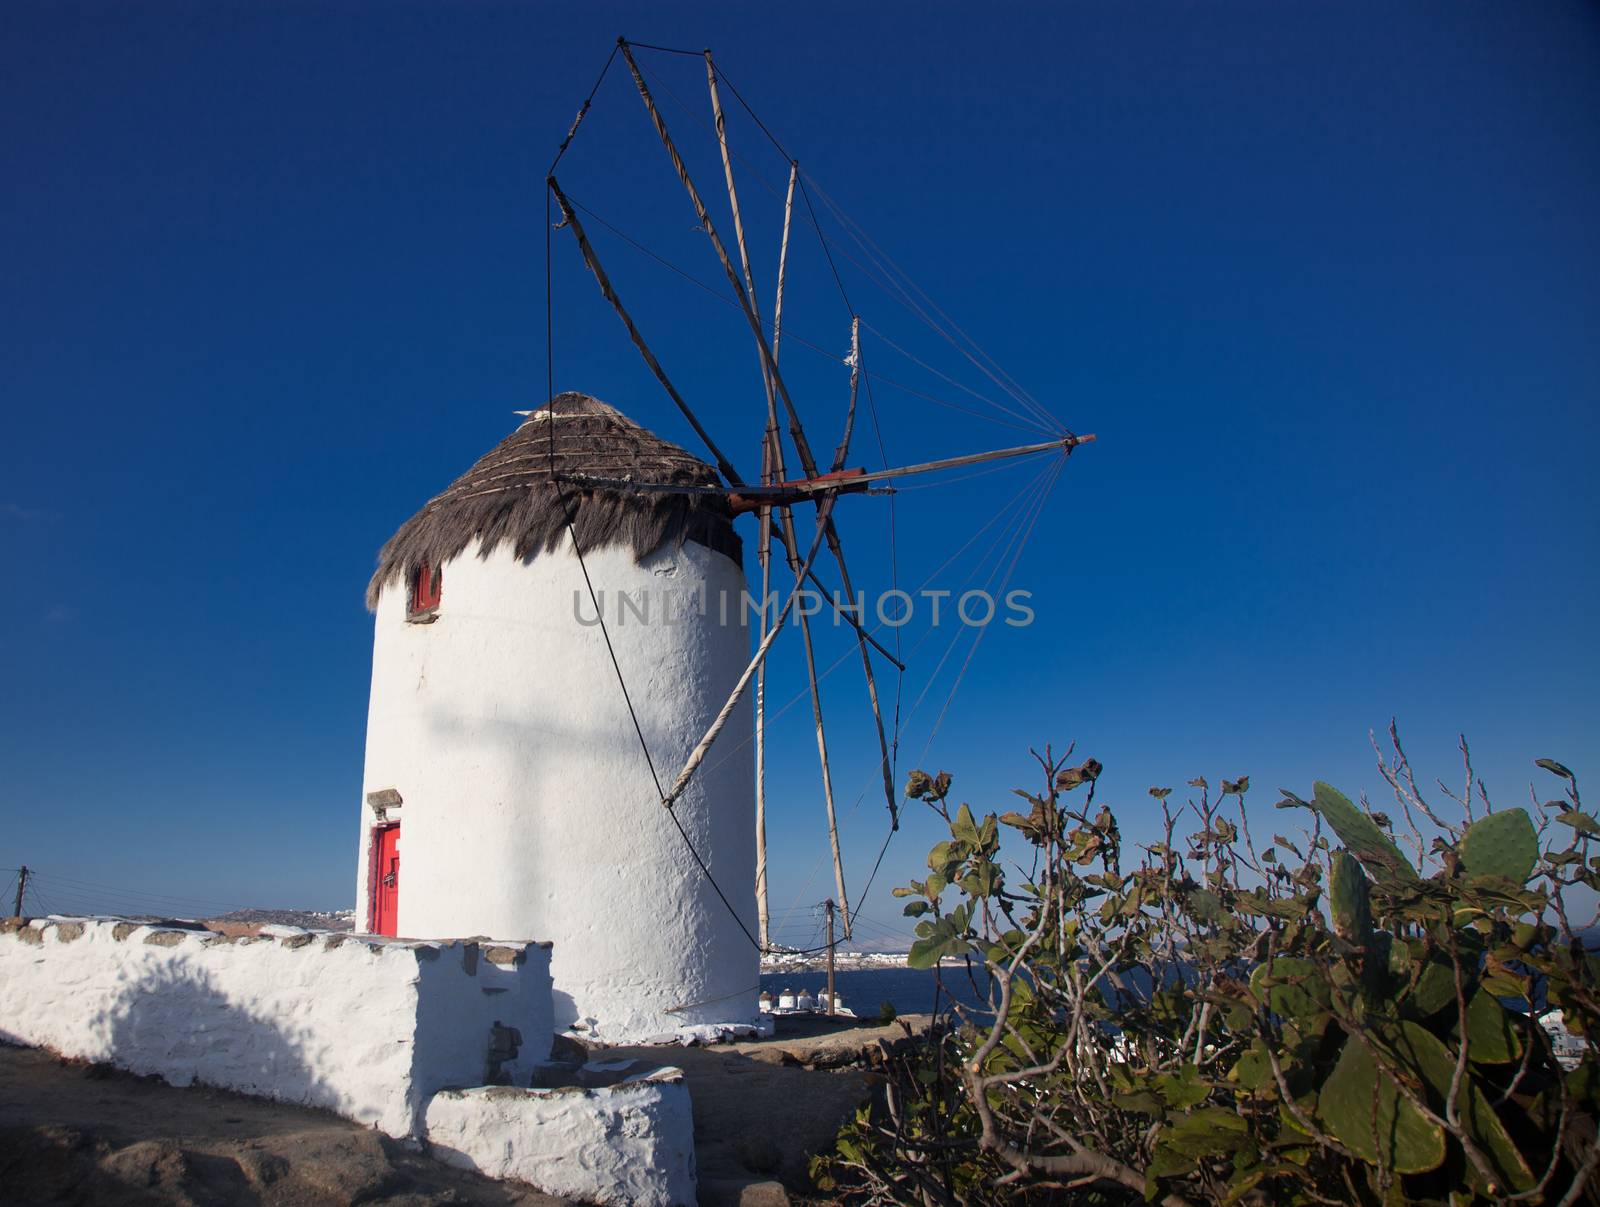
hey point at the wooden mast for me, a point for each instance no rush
(769, 372)
(569, 218)
(764, 551)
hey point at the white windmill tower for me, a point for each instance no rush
(503, 765)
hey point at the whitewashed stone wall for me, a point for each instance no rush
(367, 1028)
(631, 1143)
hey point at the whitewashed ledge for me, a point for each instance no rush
(635, 1139)
(364, 1026)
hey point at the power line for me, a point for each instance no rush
(66, 882)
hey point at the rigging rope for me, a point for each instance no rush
(877, 274)
(999, 376)
(1016, 557)
(1027, 424)
(583, 110)
(998, 553)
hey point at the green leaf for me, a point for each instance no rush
(1244, 1184)
(1168, 1163)
(964, 827)
(1182, 1089)
(1205, 905)
(1553, 767)
(1578, 821)
(915, 909)
(940, 938)
(924, 953)
(1142, 1102)
(1208, 1132)
(1161, 793)
(1365, 1111)
(1253, 1071)
(1501, 844)
(1290, 909)
(1360, 833)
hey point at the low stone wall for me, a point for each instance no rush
(366, 1027)
(630, 1143)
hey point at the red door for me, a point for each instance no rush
(386, 880)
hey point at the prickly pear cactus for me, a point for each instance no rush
(1501, 844)
(1360, 833)
(1300, 1023)
(1351, 901)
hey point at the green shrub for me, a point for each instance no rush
(1322, 1018)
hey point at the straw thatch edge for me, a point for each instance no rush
(509, 498)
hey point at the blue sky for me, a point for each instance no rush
(1324, 279)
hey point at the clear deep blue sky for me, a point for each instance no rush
(1325, 279)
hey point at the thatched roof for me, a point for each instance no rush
(509, 496)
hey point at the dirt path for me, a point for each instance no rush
(74, 1133)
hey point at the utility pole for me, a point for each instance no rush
(829, 906)
(22, 883)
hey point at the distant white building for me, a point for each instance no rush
(505, 792)
(1569, 1049)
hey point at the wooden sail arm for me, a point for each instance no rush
(848, 481)
(569, 219)
(748, 498)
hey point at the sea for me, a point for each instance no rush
(865, 990)
(911, 990)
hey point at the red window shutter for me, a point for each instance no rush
(426, 589)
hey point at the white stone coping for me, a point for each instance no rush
(70, 927)
(628, 1143)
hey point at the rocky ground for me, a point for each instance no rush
(762, 1108)
(74, 1133)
